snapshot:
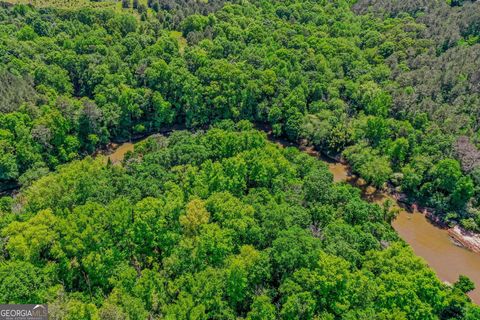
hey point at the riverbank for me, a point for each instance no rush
(115, 143)
(116, 150)
(460, 236)
(428, 240)
(466, 238)
(450, 252)
(341, 171)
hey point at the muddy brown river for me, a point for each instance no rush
(119, 153)
(431, 243)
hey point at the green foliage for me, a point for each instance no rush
(369, 164)
(223, 224)
(22, 282)
(242, 229)
(464, 284)
(91, 76)
(447, 182)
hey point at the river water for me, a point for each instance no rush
(431, 243)
(119, 153)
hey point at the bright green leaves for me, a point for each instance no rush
(22, 282)
(247, 272)
(374, 100)
(233, 214)
(123, 23)
(299, 306)
(445, 174)
(446, 181)
(464, 284)
(224, 225)
(34, 240)
(152, 230)
(26, 34)
(195, 216)
(376, 130)
(162, 111)
(119, 304)
(211, 225)
(71, 185)
(319, 288)
(367, 161)
(293, 249)
(399, 151)
(53, 77)
(262, 309)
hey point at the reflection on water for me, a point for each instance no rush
(427, 241)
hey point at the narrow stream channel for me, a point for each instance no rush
(119, 153)
(431, 243)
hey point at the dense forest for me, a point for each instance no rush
(215, 222)
(393, 85)
(214, 225)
